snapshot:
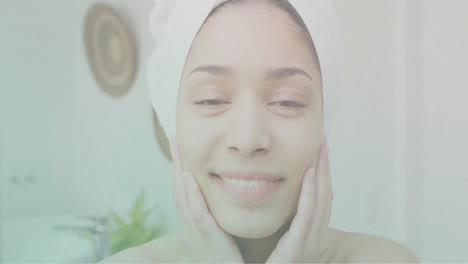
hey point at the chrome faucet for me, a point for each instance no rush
(99, 228)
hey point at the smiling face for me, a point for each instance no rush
(250, 100)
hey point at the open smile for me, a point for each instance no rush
(248, 186)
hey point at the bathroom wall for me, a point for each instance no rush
(36, 60)
(126, 156)
(66, 146)
(367, 143)
(445, 126)
(399, 147)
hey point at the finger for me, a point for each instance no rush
(325, 192)
(199, 212)
(324, 232)
(323, 195)
(327, 167)
(292, 242)
(328, 188)
(180, 195)
(305, 209)
(328, 208)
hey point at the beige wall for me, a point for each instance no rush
(401, 146)
(445, 127)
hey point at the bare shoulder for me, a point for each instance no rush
(366, 248)
(154, 251)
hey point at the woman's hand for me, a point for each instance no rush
(201, 239)
(307, 238)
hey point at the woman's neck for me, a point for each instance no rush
(257, 250)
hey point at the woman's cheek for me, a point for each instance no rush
(201, 132)
(299, 141)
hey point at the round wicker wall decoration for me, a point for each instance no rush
(110, 49)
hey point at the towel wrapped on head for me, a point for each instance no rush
(175, 23)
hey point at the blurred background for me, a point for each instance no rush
(83, 175)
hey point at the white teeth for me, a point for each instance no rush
(243, 182)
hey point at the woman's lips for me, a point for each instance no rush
(249, 175)
(248, 186)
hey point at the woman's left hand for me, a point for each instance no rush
(307, 238)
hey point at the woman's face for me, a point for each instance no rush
(250, 100)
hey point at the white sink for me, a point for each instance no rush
(34, 239)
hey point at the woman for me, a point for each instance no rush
(250, 160)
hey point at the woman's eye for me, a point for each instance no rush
(210, 102)
(290, 104)
(281, 103)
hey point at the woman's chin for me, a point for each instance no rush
(249, 232)
(253, 220)
(250, 229)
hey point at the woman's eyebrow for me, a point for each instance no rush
(278, 73)
(281, 73)
(213, 69)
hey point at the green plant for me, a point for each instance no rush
(137, 231)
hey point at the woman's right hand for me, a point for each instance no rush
(200, 238)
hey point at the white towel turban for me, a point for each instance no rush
(175, 23)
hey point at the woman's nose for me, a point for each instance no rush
(249, 133)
